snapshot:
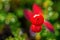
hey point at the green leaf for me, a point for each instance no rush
(19, 12)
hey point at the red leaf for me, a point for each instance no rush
(49, 26)
(27, 14)
(35, 28)
(36, 9)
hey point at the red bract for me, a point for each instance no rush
(37, 9)
(49, 26)
(37, 19)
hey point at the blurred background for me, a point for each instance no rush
(14, 26)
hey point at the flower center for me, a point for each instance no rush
(37, 19)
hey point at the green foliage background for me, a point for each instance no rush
(11, 10)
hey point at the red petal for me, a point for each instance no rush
(28, 14)
(35, 28)
(49, 26)
(37, 9)
(37, 19)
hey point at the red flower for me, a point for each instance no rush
(37, 19)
